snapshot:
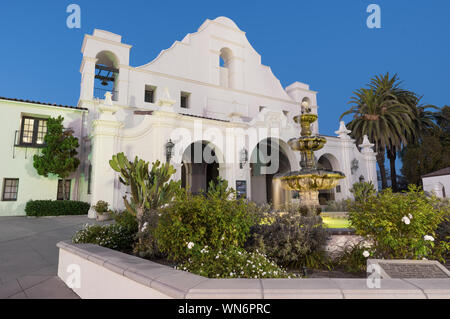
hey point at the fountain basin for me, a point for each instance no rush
(307, 143)
(307, 180)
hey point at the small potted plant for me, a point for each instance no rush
(103, 213)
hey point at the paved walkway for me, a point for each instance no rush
(29, 256)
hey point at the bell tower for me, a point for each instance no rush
(104, 68)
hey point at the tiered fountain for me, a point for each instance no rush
(310, 179)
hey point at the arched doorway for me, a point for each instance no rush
(264, 188)
(328, 162)
(200, 166)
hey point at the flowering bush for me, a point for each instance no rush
(233, 262)
(120, 236)
(114, 236)
(216, 219)
(400, 225)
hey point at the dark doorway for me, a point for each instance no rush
(198, 170)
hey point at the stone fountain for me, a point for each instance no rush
(310, 179)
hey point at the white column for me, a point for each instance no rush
(103, 138)
(370, 161)
(87, 71)
(122, 84)
(346, 149)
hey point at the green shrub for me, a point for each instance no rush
(127, 220)
(336, 206)
(400, 225)
(291, 239)
(352, 258)
(362, 190)
(233, 262)
(56, 207)
(147, 246)
(215, 219)
(101, 207)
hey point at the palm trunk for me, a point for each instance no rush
(380, 161)
(392, 155)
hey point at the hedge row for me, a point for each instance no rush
(56, 207)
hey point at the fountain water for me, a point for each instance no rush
(309, 180)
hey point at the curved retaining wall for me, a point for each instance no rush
(98, 272)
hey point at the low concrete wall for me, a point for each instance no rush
(105, 273)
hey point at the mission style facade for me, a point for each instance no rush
(206, 104)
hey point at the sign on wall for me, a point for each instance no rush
(241, 189)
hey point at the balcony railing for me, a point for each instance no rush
(18, 143)
(100, 94)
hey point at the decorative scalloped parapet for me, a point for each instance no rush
(366, 146)
(343, 132)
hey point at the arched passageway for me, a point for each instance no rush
(328, 162)
(199, 167)
(267, 160)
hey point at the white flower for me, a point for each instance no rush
(217, 257)
(144, 227)
(410, 216)
(406, 220)
(366, 253)
(428, 238)
(190, 245)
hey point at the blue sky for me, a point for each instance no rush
(323, 43)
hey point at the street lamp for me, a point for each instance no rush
(169, 150)
(243, 157)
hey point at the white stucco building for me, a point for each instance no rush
(437, 182)
(208, 92)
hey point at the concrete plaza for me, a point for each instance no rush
(29, 256)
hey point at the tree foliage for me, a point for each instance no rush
(58, 156)
(431, 152)
(394, 118)
(383, 112)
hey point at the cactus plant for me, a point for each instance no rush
(150, 189)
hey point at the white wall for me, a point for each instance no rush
(192, 65)
(435, 184)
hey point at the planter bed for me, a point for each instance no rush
(105, 273)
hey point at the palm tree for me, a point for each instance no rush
(379, 114)
(390, 88)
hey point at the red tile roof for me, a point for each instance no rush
(444, 171)
(42, 103)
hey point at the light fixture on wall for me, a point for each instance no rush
(243, 157)
(169, 150)
(355, 166)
